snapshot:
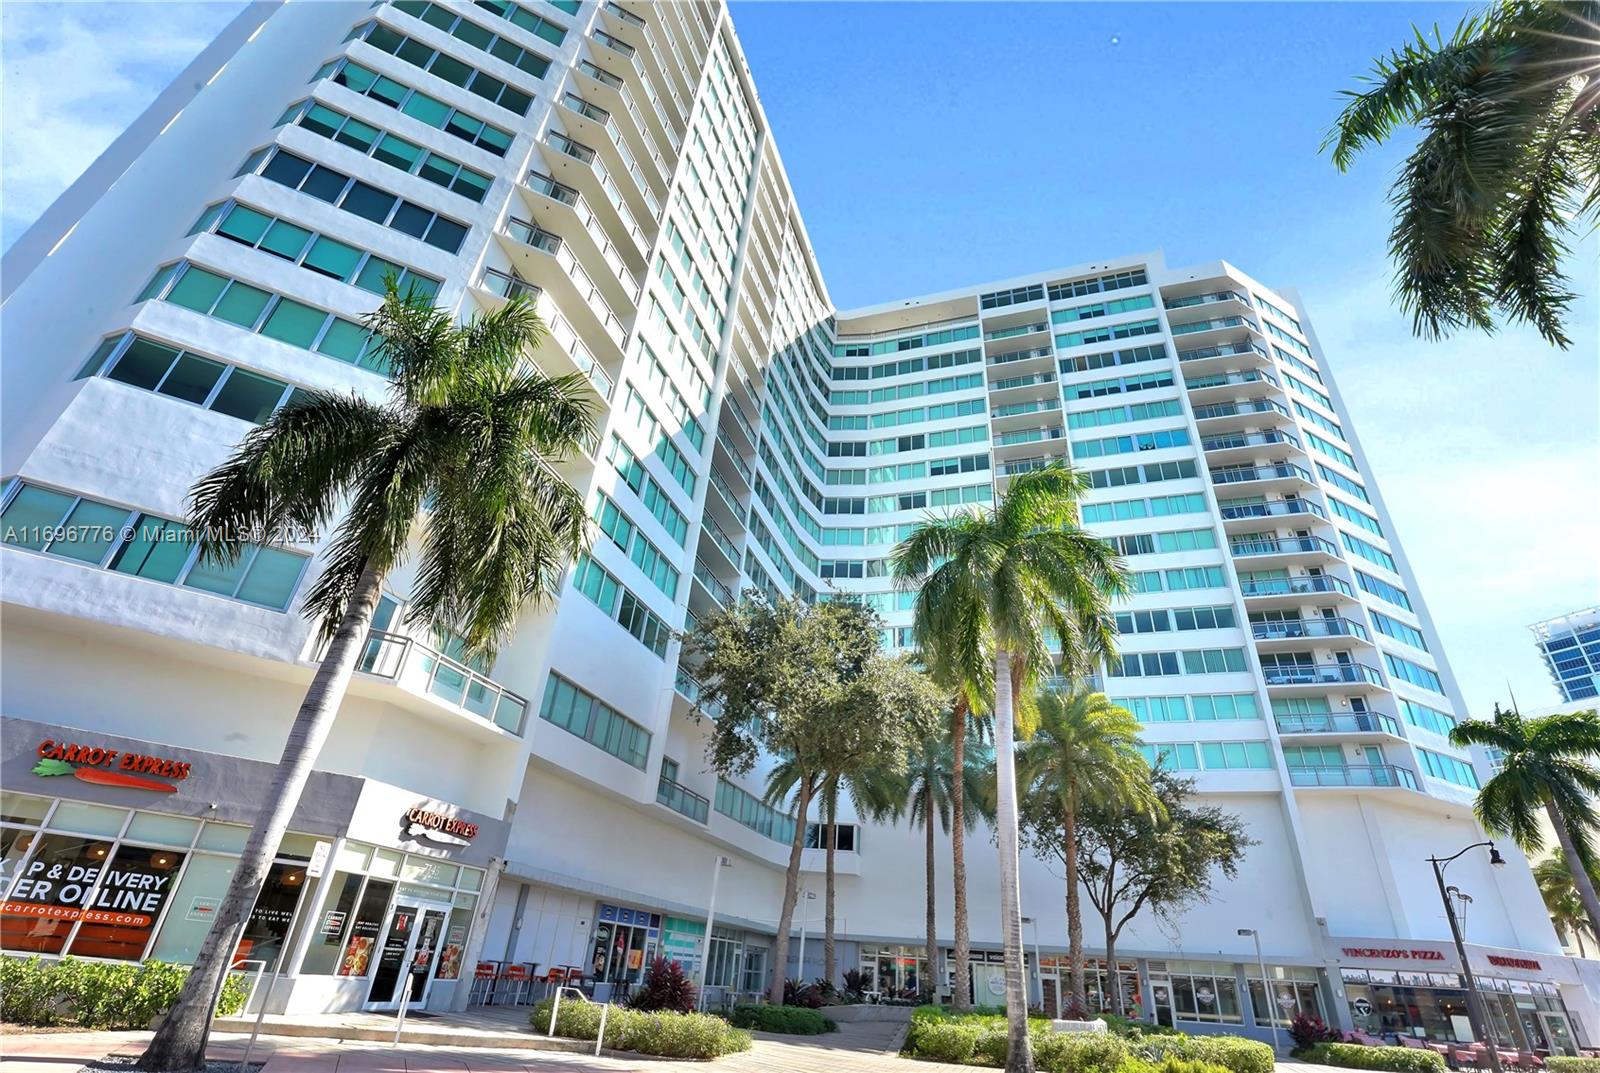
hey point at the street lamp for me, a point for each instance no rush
(711, 917)
(1266, 984)
(800, 968)
(1038, 966)
(1482, 1025)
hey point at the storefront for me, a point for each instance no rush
(1056, 985)
(1427, 998)
(625, 941)
(121, 850)
(897, 971)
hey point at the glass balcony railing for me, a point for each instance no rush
(1021, 329)
(625, 15)
(604, 77)
(507, 285)
(1221, 351)
(720, 483)
(1374, 775)
(1316, 674)
(1206, 299)
(1329, 723)
(1033, 406)
(587, 156)
(1211, 325)
(687, 685)
(1249, 376)
(1279, 471)
(1029, 435)
(1283, 546)
(615, 44)
(1248, 439)
(1022, 381)
(426, 671)
(1294, 629)
(1294, 586)
(719, 592)
(680, 799)
(568, 340)
(1280, 508)
(1022, 355)
(599, 115)
(722, 540)
(1237, 409)
(1024, 465)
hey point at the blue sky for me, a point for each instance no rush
(932, 145)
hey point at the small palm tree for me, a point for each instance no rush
(993, 588)
(930, 791)
(1086, 749)
(459, 458)
(1545, 768)
(1561, 900)
(1508, 168)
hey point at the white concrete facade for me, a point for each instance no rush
(752, 436)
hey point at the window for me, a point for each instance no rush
(1449, 768)
(160, 549)
(1368, 551)
(603, 590)
(1193, 577)
(1101, 309)
(1173, 757)
(1097, 284)
(1416, 674)
(750, 811)
(1130, 330)
(1220, 707)
(418, 105)
(1152, 472)
(1350, 514)
(1441, 723)
(579, 712)
(362, 199)
(1083, 363)
(1343, 483)
(1400, 631)
(150, 366)
(616, 524)
(319, 253)
(848, 838)
(453, 70)
(1383, 590)
(1143, 441)
(1155, 709)
(1213, 660)
(1231, 755)
(389, 148)
(1333, 451)
(1116, 415)
(512, 12)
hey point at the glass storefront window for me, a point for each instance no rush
(23, 808)
(322, 955)
(1431, 1013)
(428, 870)
(162, 830)
(88, 819)
(471, 878)
(268, 925)
(48, 896)
(386, 862)
(224, 837)
(1288, 1000)
(120, 917)
(625, 941)
(1204, 992)
(454, 947)
(14, 845)
(298, 847)
(194, 906)
(362, 935)
(352, 856)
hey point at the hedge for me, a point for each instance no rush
(982, 1039)
(662, 1033)
(40, 992)
(794, 1020)
(1394, 1059)
(1237, 1054)
(1566, 1063)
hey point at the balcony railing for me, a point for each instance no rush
(1030, 435)
(1294, 586)
(568, 339)
(615, 44)
(722, 540)
(1259, 473)
(679, 798)
(1316, 674)
(531, 234)
(1277, 509)
(604, 77)
(1238, 409)
(1375, 775)
(1024, 465)
(1021, 329)
(1033, 406)
(1249, 376)
(1307, 627)
(506, 285)
(720, 483)
(421, 669)
(585, 155)
(719, 592)
(1219, 322)
(687, 685)
(1022, 381)
(1021, 355)
(1355, 723)
(1283, 546)
(1206, 299)
(599, 115)
(626, 16)
(1248, 439)
(1221, 351)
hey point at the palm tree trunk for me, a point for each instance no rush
(961, 996)
(1080, 993)
(929, 984)
(833, 841)
(1019, 1053)
(180, 1043)
(1577, 935)
(791, 892)
(1580, 874)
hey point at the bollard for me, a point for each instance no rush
(261, 1013)
(555, 1008)
(601, 1037)
(405, 1000)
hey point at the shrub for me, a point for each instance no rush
(992, 1046)
(1565, 1063)
(795, 993)
(663, 1033)
(1306, 1030)
(942, 1040)
(1395, 1059)
(1236, 1053)
(794, 1020)
(97, 994)
(857, 984)
(1079, 1052)
(664, 987)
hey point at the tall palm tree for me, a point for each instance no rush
(930, 791)
(1507, 170)
(1545, 768)
(1561, 900)
(1086, 749)
(994, 586)
(460, 458)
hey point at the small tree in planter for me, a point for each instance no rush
(665, 987)
(1307, 1031)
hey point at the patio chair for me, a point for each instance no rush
(481, 992)
(511, 986)
(1529, 1060)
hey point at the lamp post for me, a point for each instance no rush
(1482, 1024)
(1038, 966)
(711, 916)
(1266, 984)
(800, 965)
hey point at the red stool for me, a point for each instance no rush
(483, 977)
(513, 980)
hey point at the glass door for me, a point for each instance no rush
(1161, 999)
(424, 951)
(1558, 1032)
(406, 952)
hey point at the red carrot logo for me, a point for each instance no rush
(101, 777)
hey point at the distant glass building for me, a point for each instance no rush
(1570, 646)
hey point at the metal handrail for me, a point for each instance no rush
(1283, 546)
(1266, 510)
(1295, 586)
(1221, 350)
(408, 662)
(1331, 723)
(1374, 775)
(1259, 473)
(1309, 674)
(1292, 629)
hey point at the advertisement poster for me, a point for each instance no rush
(357, 956)
(450, 962)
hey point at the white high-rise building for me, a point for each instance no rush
(555, 809)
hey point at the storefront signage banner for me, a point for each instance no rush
(437, 827)
(129, 897)
(109, 767)
(1391, 953)
(1514, 963)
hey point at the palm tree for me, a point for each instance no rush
(930, 791)
(460, 455)
(1544, 769)
(1561, 900)
(994, 585)
(1507, 170)
(1086, 749)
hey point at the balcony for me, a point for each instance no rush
(1231, 379)
(542, 255)
(680, 799)
(688, 686)
(1018, 409)
(1354, 723)
(1245, 413)
(1296, 629)
(425, 671)
(1029, 435)
(1034, 354)
(1278, 472)
(506, 285)
(1294, 587)
(1355, 775)
(1321, 674)
(1222, 350)
(575, 162)
(721, 540)
(1298, 545)
(1020, 329)
(593, 121)
(1280, 508)
(561, 333)
(1207, 299)
(718, 591)
(1242, 442)
(1215, 324)
(1024, 465)
(1011, 382)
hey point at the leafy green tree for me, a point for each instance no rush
(929, 791)
(1561, 900)
(1507, 170)
(1086, 748)
(996, 588)
(457, 468)
(1161, 859)
(1545, 769)
(806, 683)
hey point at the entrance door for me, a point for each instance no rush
(406, 953)
(1558, 1031)
(1161, 999)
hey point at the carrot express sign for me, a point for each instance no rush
(109, 767)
